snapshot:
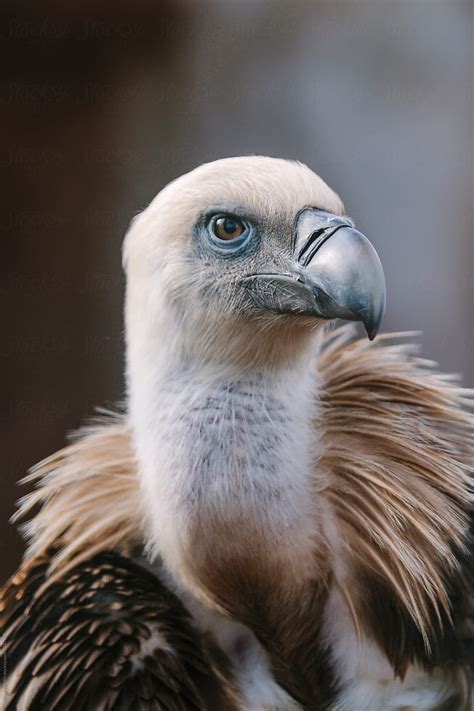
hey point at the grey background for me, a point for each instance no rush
(104, 104)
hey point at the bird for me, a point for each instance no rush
(280, 515)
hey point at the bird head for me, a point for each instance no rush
(244, 252)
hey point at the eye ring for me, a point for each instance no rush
(228, 233)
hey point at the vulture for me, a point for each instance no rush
(280, 516)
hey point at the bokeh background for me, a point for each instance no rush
(103, 102)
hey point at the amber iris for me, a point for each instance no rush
(228, 228)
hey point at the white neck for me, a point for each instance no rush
(217, 448)
(222, 451)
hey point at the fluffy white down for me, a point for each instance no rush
(364, 674)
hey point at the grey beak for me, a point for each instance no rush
(335, 273)
(338, 264)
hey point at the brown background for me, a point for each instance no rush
(104, 103)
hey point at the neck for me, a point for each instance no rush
(217, 462)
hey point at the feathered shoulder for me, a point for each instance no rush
(398, 456)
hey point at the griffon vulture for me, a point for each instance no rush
(281, 517)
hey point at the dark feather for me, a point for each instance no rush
(107, 635)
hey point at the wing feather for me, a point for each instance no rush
(108, 634)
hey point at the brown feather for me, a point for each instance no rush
(89, 498)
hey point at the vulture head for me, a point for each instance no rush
(241, 258)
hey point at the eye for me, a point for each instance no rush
(228, 228)
(228, 234)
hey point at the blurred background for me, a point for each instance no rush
(103, 102)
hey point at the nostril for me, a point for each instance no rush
(316, 235)
(314, 242)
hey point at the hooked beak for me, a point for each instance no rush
(336, 273)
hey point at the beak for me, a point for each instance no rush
(336, 273)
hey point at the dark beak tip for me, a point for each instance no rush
(374, 320)
(371, 332)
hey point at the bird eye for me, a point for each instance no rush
(228, 228)
(229, 235)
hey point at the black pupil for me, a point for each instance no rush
(230, 226)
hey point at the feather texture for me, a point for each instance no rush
(107, 635)
(396, 475)
(398, 456)
(88, 498)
